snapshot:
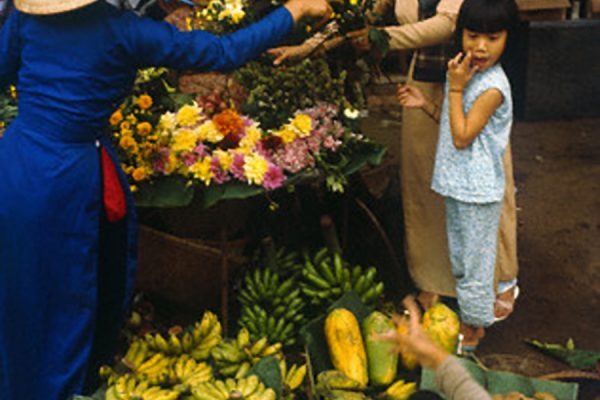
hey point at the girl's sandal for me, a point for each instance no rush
(507, 305)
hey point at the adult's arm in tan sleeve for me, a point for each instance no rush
(429, 32)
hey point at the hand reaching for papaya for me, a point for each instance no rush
(427, 353)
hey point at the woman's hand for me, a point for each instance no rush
(428, 354)
(410, 96)
(460, 72)
(292, 53)
(360, 39)
(309, 8)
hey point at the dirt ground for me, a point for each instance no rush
(557, 174)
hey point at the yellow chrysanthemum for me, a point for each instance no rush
(144, 128)
(167, 122)
(225, 159)
(188, 115)
(172, 164)
(255, 168)
(132, 119)
(133, 188)
(253, 135)
(286, 134)
(303, 123)
(139, 174)
(202, 170)
(184, 140)
(209, 132)
(125, 126)
(144, 102)
(116, 118)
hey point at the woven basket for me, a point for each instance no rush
(184, 274)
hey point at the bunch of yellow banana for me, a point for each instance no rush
(136, 354)
(205, 335)
(191, 373)
(108, 374)
(334, 385)
(334, 379)
(157, 369)
(250, 388)
(170, 345)
(400, 390)
(235, 357)
(128, 387)
(292, 377)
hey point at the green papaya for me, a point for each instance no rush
(382, 360)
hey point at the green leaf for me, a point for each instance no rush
(497, 382)
(211, 195)
(373, 157)
(581, 359)
(169, 191)
(267, 370)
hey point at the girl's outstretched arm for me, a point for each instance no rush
(411, 97)
(465, 128)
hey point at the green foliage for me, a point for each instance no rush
(274, 94)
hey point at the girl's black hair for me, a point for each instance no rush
(487, 16)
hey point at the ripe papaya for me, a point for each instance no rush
(346, 346)
(442, 325)
(382, 360)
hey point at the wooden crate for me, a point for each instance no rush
(543, 10)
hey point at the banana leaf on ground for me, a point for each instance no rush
(500, 382)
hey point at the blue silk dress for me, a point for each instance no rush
(66, 274)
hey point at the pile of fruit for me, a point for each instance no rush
(277, 298)
(364, 364)
(198, 363)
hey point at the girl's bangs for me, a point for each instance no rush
(487, 17)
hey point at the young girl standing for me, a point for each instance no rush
(475, 124)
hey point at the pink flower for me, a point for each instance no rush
(189, 159)
(237, 168)
(160, 164)
(219, 176)
(200, 151)
(273, 178)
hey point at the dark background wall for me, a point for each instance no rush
(561, 75)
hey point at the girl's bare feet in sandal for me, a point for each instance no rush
(470, 336)
(505, 303)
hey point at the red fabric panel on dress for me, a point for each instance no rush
(112, 191)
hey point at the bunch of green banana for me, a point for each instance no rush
(333, 384)
(400, 390)
(292, 378)
(327, 276)
(270, 307)
(287, 263)
(128, 387)
(250, 388)
(235, 357)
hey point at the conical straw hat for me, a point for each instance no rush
(46, 7)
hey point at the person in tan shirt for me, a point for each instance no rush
(426, 241)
